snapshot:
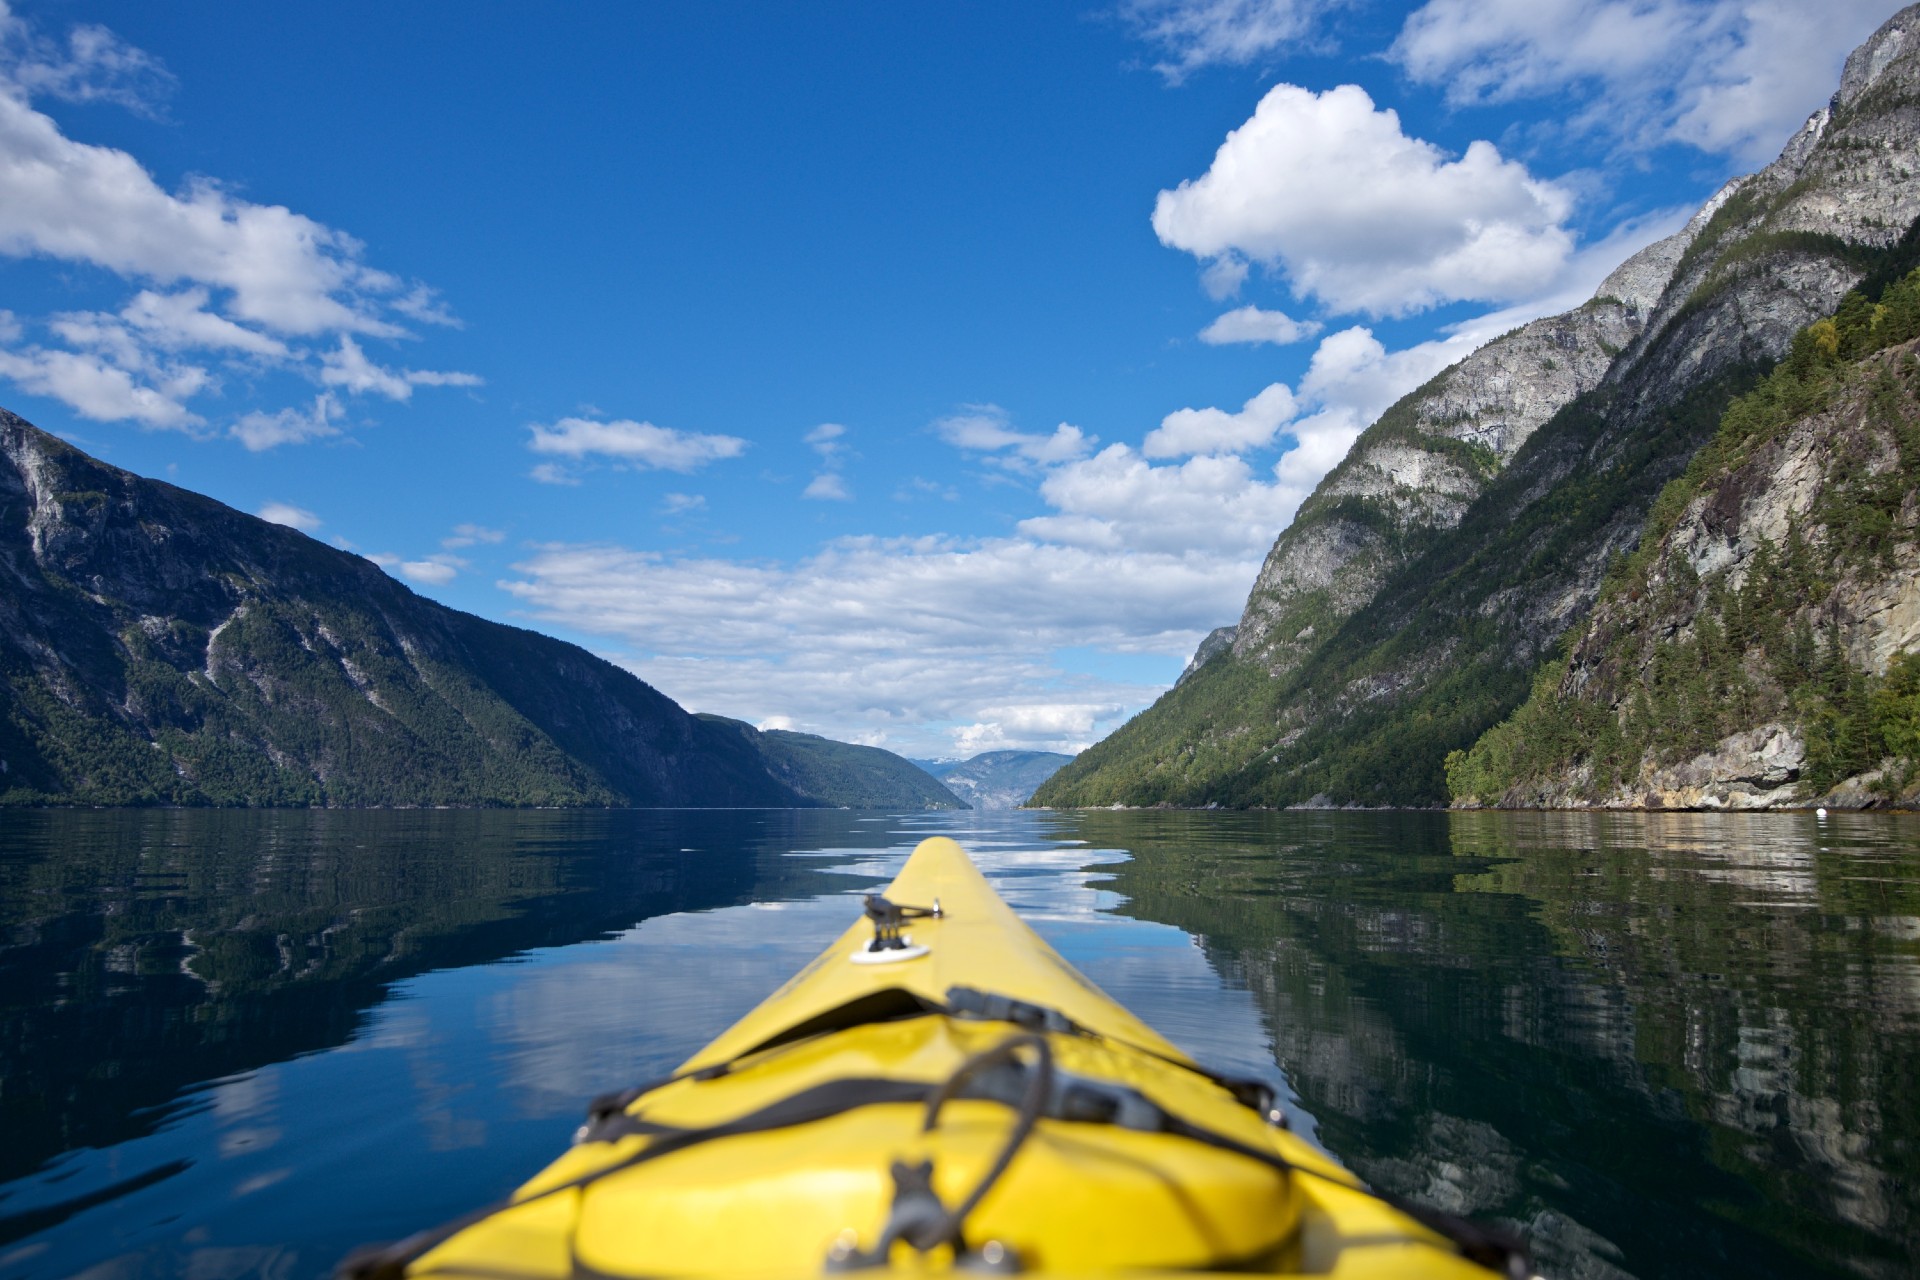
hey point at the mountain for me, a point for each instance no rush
(1409, 605)
(996, 779)
(157, 647)
(1762, 646)
(840, 774)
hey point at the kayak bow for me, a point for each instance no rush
(939, 1090)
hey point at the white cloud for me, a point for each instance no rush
(830, 486)
(553, 473)
(1330, 191)
(1118, 500)
(986, 429)
(679, 504)
(98, 389)
(287, 514)
(180, 321)
(826, 439)
(435, 571)
(218, 274)
(638, 444)
(1252, 325)
(943, 646)
(910, 640)
(467, 535)
(347, 366)
(1188, 431)
(1222, 278)
(94, 66)
(829, 441)
(260, 431)
(1201, 33)
(1731, 77)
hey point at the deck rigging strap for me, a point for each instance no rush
(1044, 1092)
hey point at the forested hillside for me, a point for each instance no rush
(157, 647)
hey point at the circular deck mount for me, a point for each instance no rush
(892, 955)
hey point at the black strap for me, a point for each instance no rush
(820, 1102)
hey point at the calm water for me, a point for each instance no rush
(237, 1044)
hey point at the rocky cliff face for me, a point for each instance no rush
(1763, 647)
(158, 647)
(1405, 610)
(1432, 454)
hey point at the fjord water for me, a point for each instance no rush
(238, 1043)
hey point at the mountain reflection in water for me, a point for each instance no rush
(1679, 1044)
(236, 1044)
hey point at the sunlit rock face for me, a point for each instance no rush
(1431, 455)
(1861, 593)
(1405, 610)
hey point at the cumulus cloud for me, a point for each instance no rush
(629, 443)
(946, 645)
(287, 514)
(1186, 431)
(1251, 325)
(1730, 77)
(986, 429)
(96, 387)
(1192, 34)
(1330, 191)
(218, 277)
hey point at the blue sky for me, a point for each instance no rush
(932, 375)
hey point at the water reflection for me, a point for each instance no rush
(1668, 1044)
(236, 1044)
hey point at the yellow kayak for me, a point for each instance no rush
(939, 1090)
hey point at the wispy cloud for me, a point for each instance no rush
(1193, 34)
(1252, 326)
(1730, 77)
(287, 514)
(627, 443)
(950, 645)
(829, 483)
(221, 283)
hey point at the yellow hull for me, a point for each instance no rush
(1069, 1139)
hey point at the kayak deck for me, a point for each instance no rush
(956, 1097)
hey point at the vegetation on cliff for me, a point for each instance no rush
(1680, 655)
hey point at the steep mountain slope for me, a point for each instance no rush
(158, 647)
(1760, 647)
(1404, 612)
(841, 774)
(998, 779)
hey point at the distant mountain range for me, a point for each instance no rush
(996, 779)
(841, 773)
(157, 647)
(1447, 570)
